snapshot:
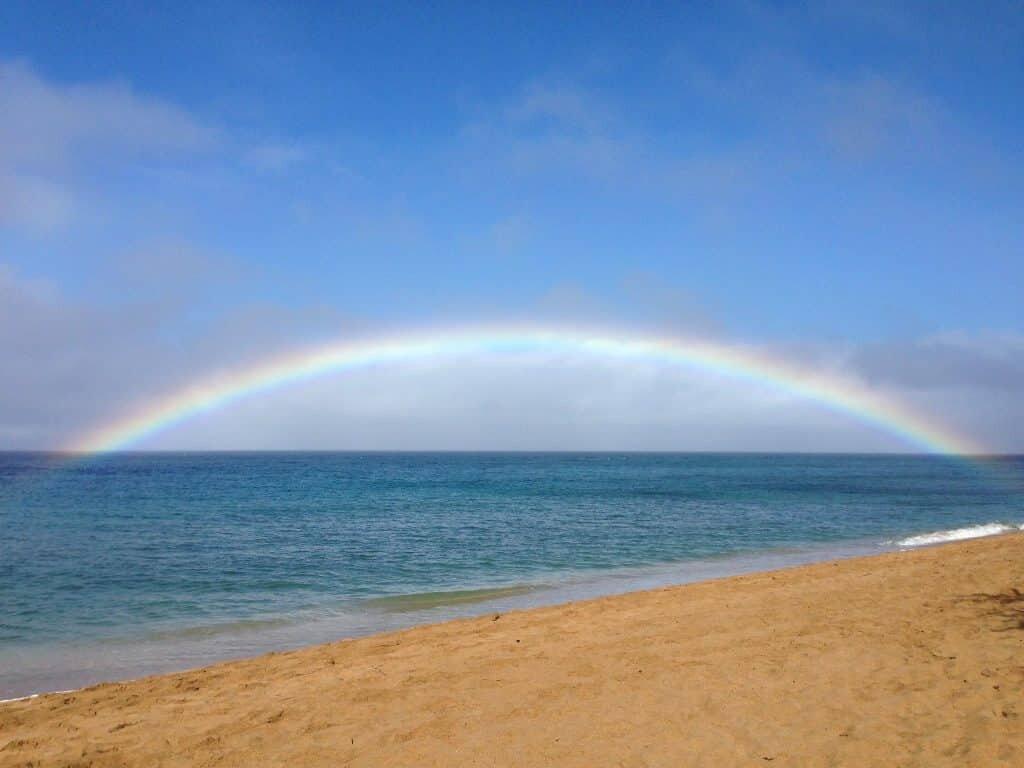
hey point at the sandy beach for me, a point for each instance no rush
(908, 658)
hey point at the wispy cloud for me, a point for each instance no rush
(559, 106)
(47, 124)
(50, 131)
(275, 157)
(71, 362)
(550, 127)
(877, 116)
(784, 106)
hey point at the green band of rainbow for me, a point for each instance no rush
(844, 396)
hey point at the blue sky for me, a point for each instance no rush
(195, 186)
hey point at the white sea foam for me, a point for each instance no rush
(957, 534)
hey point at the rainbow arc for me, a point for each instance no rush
(848, 397)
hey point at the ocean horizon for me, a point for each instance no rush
(133, 563)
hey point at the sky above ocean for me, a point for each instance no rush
(192, 190)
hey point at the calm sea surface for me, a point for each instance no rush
(136, 563)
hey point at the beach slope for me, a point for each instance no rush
(909, 658)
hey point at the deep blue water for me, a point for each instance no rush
(141, 562)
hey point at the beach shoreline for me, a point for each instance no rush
(189, 647)
(913, 658)
(146, 652)
(155, 563)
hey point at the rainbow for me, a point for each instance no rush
(840, 395)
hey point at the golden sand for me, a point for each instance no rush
(904, 659)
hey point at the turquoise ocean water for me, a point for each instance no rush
(136, 563)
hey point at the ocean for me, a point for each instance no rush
(128, 564)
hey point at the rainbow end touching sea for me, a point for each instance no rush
(837, 394)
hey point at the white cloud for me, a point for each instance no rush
(50, 131)
(71, 363)
(47, 123)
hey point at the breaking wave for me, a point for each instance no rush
(958, 534)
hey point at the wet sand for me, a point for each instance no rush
(903, 659)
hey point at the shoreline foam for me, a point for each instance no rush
(958, 534)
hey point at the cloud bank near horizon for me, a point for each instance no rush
(76, 367)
